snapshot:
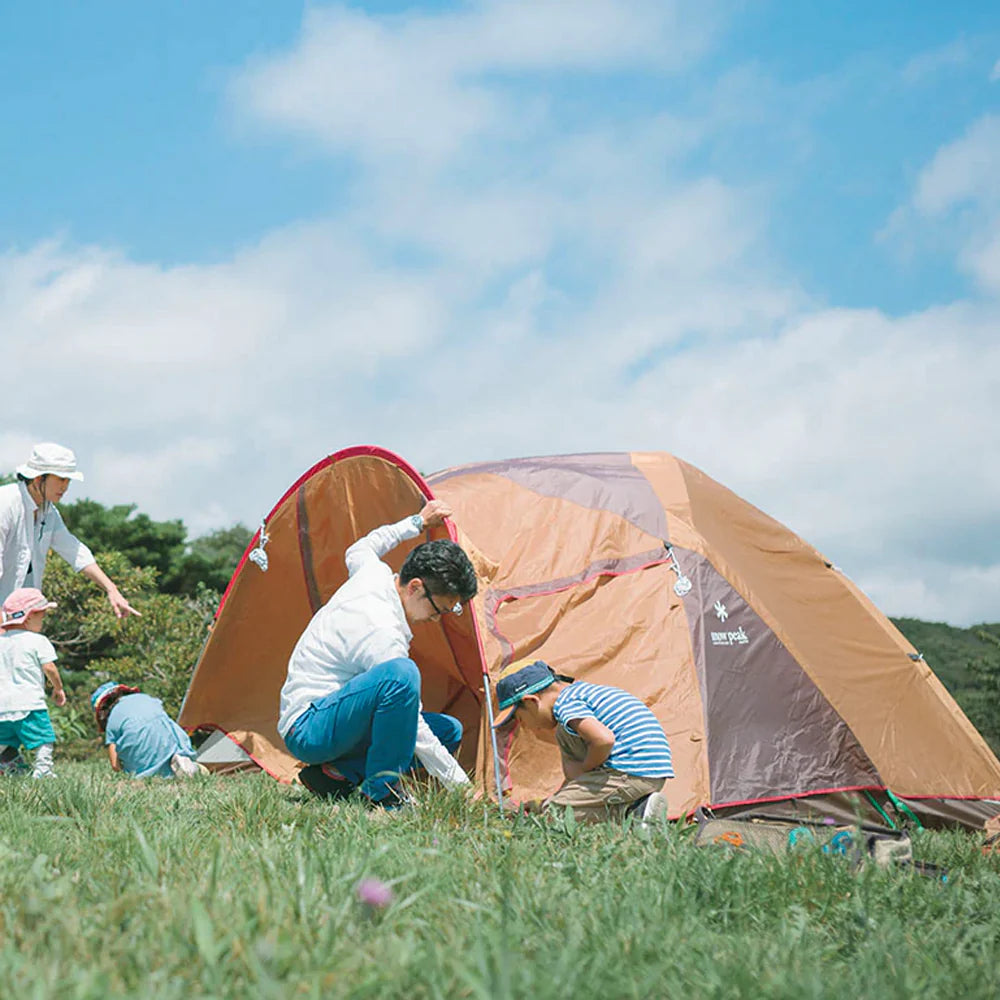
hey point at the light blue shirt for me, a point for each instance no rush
(145, 737)
(641, 745)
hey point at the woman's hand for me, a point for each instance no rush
(120, 606)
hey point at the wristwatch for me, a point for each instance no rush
(418, 523)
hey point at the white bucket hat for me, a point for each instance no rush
(48, 459)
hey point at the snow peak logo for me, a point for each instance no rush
(737, 638)
(720, 611)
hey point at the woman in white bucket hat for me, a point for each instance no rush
(30, 525)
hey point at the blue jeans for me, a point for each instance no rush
(368, 729)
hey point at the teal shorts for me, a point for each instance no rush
(31, 732)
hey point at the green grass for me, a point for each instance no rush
(240, 887)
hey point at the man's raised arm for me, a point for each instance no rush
(377, 543)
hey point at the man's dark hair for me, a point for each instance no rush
(443, 567)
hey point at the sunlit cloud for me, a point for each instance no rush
(504, 278)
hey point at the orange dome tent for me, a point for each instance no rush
(776, 679)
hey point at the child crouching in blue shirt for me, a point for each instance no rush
(615, 754)
(142, 740)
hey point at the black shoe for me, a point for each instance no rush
(322, 785)
(396, 798)
(11, 761)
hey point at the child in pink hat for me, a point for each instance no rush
(27, 659)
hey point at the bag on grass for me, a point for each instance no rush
(991, 845)
(858, 844)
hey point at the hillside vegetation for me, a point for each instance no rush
(967, 660)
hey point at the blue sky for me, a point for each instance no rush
(117, 128)
(764, 236)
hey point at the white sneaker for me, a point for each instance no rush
(186, 767)
(654, 811)
(43, 762)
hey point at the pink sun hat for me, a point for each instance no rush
(23, 602)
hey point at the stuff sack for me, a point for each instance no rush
(860, 843)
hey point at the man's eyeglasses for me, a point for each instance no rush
(455, 610)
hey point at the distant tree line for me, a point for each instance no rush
(182, 565)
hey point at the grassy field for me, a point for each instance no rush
(240, 887)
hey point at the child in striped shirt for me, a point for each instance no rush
(615, 754)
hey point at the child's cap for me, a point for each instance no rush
(23, 602)
(109, 687)
(517, 680)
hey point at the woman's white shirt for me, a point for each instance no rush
(26, 542)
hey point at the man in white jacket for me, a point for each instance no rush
(350, 705)
(30, 525)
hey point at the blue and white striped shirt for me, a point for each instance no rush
(641, 746)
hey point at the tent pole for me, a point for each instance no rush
(493, 741)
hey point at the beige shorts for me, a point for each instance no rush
(599, 795)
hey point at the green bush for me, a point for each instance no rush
(155, 652)
(181, 564)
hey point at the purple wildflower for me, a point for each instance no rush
(829, 821)
(374, 893)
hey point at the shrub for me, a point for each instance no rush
(155, 652)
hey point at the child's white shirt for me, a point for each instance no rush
(22, 680)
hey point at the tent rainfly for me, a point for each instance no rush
(782, 688)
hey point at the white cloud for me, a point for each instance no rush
(498, 286)
(419, 85)
(956, 204)
(230, 360)
(354, 82)
(983, 259)
(995, 72)
(930, 64)
(864, 433)
(15, 446)
(963, 170)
